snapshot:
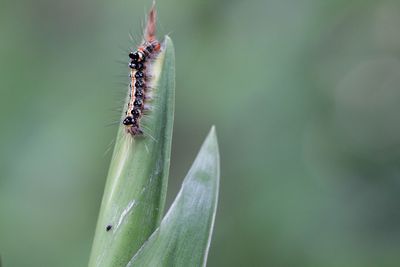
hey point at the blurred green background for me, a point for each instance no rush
(305, 96)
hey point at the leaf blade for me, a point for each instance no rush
(184, 236)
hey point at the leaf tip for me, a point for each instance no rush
(212, 138)
(211, 144)
(213, 131)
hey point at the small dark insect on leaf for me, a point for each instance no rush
(108, 228)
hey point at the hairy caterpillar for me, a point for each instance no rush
(140, 62)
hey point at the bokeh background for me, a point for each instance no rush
(305, 96)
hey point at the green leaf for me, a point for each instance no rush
(184, 235)
(134, 196)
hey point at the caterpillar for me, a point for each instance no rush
(139, 64)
